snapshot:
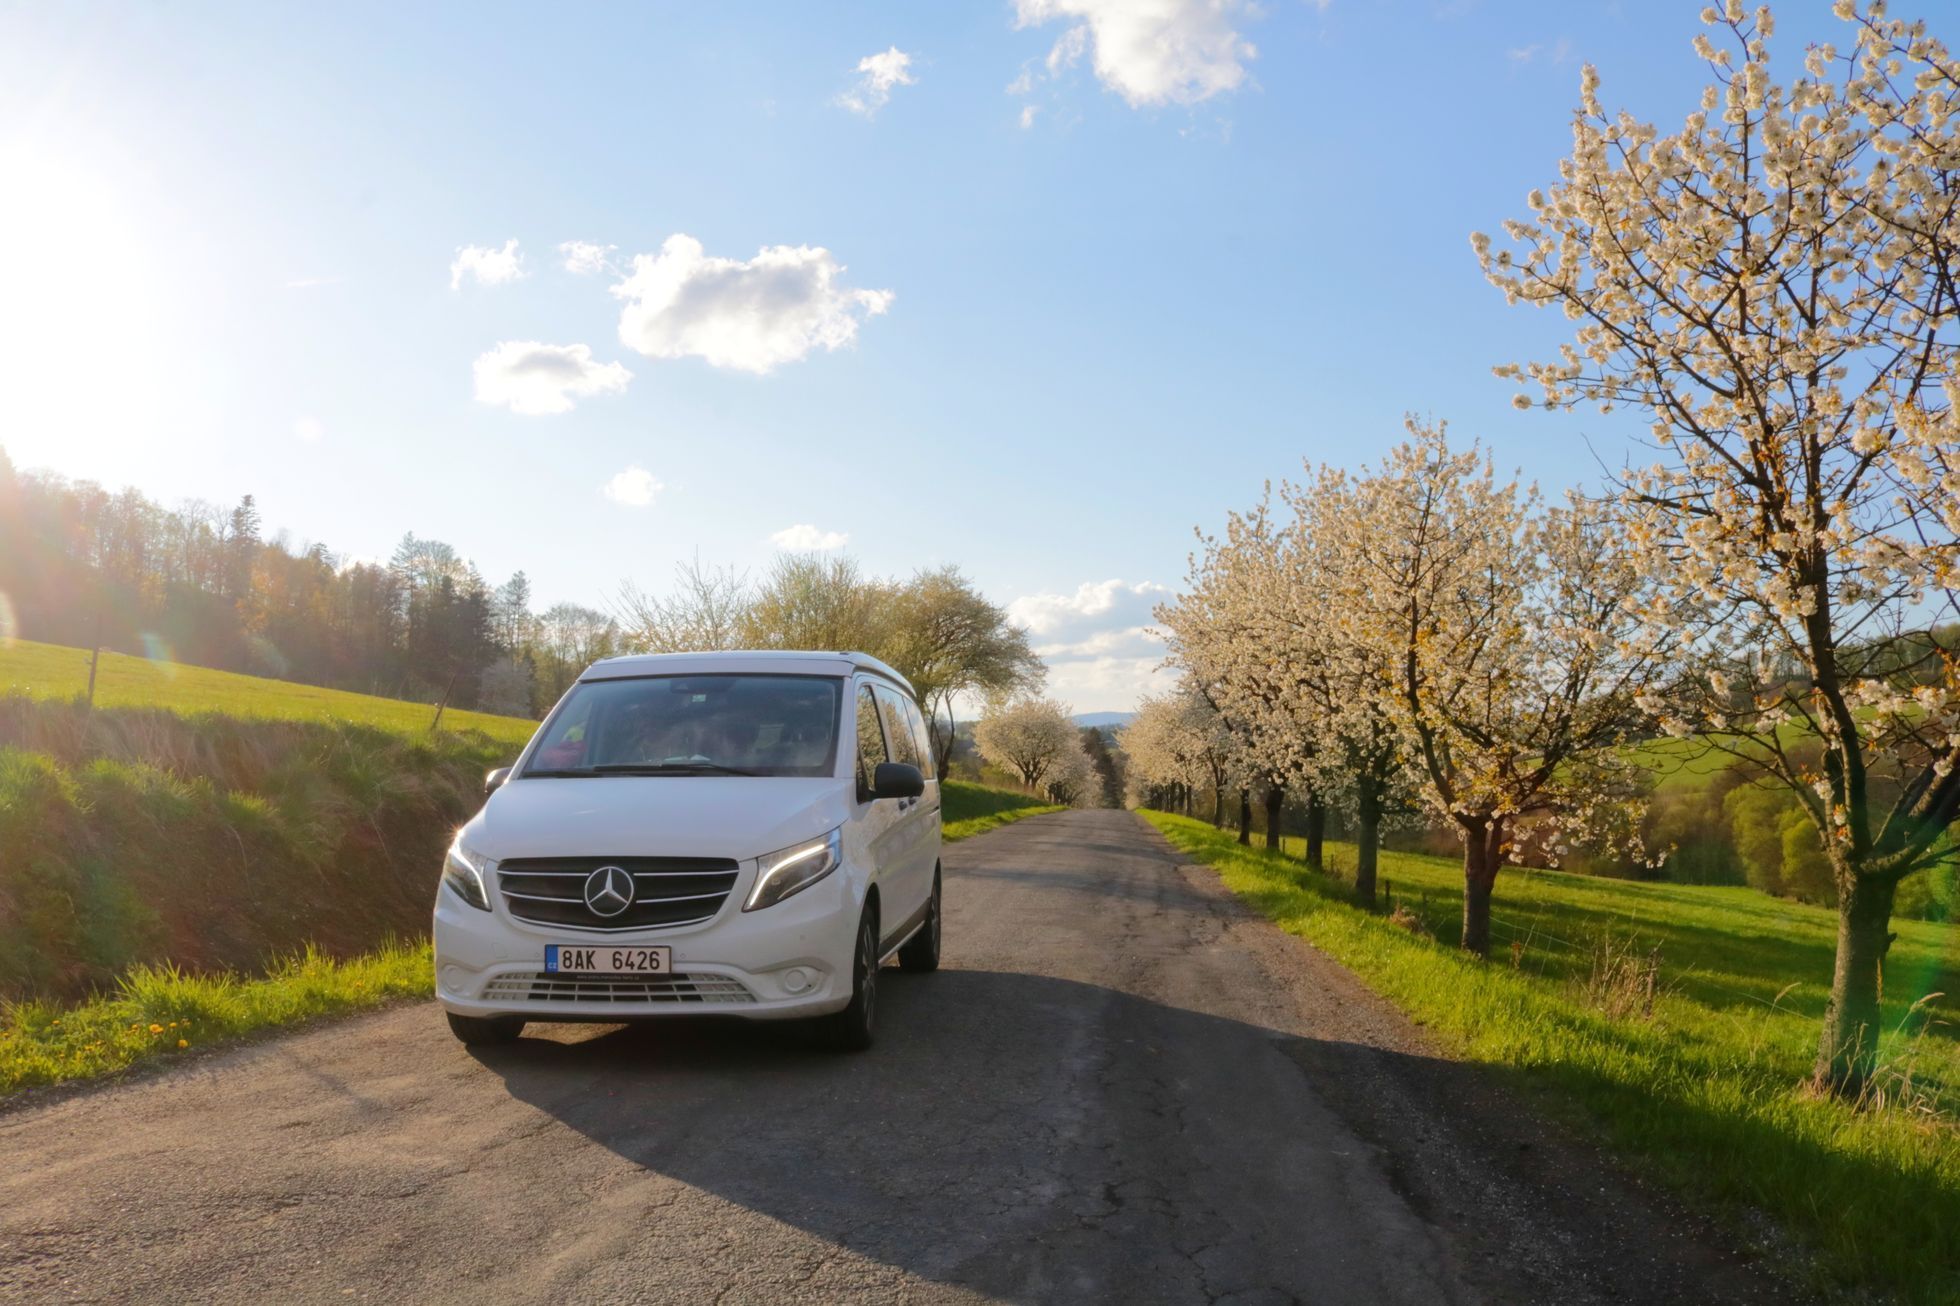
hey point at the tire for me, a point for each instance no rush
(485, 1031)
(920, 954)
(851, 1029)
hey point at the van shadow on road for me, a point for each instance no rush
(1040, 1139)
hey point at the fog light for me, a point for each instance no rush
(796, 979)
(452, 978)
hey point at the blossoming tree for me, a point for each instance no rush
(1773, 287)
(1506, 633)
(1229, 632)
(1178, 741)
(1031, 737)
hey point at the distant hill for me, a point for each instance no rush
(1111, 720)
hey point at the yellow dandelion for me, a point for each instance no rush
(183, 1042)
(156, 1029)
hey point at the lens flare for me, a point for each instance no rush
(159, 653)
(9, 627)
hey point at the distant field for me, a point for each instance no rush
(53, 671)
(1700, 1076)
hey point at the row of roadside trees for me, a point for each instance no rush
(1771, 291)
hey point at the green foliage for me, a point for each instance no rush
(1755, 815)
(1707, 1091)
(160, 1011)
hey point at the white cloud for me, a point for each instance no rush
(803, 538)
(490, 267)
(312, 283)
(1028, 112)
(536, 379)
(1095, 605)
(635, 487)
(1149, 51)
(1556, 54)
(1100, 643)
(750, 316)
(308, 429)
(878, 75)
(582, 256)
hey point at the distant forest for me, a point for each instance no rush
(202, 584)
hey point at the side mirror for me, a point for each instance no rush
(897, 780)
(495, 780)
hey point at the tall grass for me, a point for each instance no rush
(161, 1011)
(1695, 1071)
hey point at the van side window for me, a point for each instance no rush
(898, 730)
(924, 737)
(871, 741)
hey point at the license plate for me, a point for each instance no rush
(606, 959)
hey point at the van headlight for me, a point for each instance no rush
(794, 869)
(467, 874)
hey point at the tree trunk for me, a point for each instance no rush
(1245, 816)
(1316, 831)
(1368, 837)
(944, 761)
(1481, 854)
(1275, 800)
(1218, 805)
(1848, 1049)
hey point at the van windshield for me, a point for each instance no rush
(730, 724)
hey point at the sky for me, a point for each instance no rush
(1033, 287)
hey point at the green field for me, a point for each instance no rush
(1702, 1086)
(53, 671)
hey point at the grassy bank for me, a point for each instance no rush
(970, 809)
(158, 1012)
(133, 838)
(1699, 1083)
(51, 671)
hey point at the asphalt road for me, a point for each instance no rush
(1121, 1087)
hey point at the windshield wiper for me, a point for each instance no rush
(668, 768)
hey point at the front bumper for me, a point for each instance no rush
(742, 964)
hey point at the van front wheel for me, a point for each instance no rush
(850, 1030)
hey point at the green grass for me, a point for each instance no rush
(1705, 1092)
(970, 809)
(53, 671)
(159, 1012)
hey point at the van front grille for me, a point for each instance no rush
(667, 891)
(541, 986)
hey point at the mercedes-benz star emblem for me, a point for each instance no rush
(608, 891)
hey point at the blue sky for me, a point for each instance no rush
(1090, 273)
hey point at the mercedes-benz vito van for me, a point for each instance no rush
(734, 834)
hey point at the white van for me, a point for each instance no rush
(736, 834)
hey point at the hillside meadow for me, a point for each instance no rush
(52, 671)
(1679, 1023)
